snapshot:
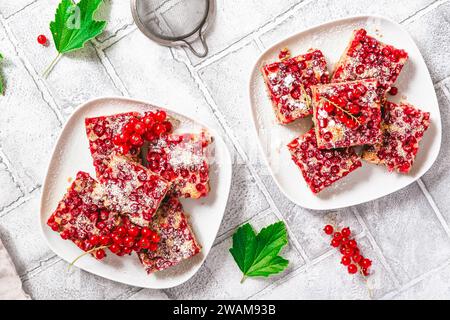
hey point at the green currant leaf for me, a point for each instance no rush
(74, 24)
(257, 254)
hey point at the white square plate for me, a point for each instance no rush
(369, 182)
(71, 154)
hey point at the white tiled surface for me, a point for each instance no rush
(407, 234)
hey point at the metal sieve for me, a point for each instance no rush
(174, 22)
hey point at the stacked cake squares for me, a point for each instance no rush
(349, 111)
(133, 207)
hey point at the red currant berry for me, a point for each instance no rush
(114, 248)
(360, 69)
(328, 107)
(366, 263)
(139, 128)
(100, 254)
(352, 269)
(353, 108)
(144, 243)
(127, 250)
(346, 260)
(65, 235)
(149, 136)
(160, 116)
(153, 246)
(356, 257)
(168, 126)
(148, 121)
(348, 252)
(129, 127)
(94, 240)
(122, 230)
(352, 243)
(42, 39)
(346, 232)
(393, 91)
(117, 239)
(159, 129)
(328, 229)
(133, 232)
(351, 124)
(337, 235)
(335, 243)
(136, 140)
(124, 149)
(146, 232)
(154, 237)
(365, 272)
(128, 242)
(105, 240)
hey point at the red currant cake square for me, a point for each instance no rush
(403, 127)
(80, 214)
(183, 160)
(289, 84)
(347, 114)
(368, 58)
(321, 168)
(101, 132)
(130, 188)
(177, 242)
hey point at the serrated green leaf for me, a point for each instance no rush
(274, 266)
(74, 24)
(257, 255)
(244, 252)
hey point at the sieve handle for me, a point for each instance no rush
(203, 42)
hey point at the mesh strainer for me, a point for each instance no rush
(174, 22)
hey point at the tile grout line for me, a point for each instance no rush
(423, 11)
(376, 248)
(110, 71)
(218, 114)
(294, 273)
(122, 33)
(228, 233)
(21, 9)
(304, 267)
(41, 267)
(415, 281)
(41, 86)
(433, 205)
(248, 38)
(12, 172)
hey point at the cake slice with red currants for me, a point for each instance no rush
(183, 160)
(177, 241)
(103, 131)
(369, 58)
(80, 214)
(131, 189)
(403, 127)
(82, 218)
(289, 83)
(321, 168)
(347, 114)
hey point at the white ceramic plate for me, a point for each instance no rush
(72, 154)
(371, 181)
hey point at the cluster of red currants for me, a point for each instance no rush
(137, 130)
(124, 240)
(351, 255)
